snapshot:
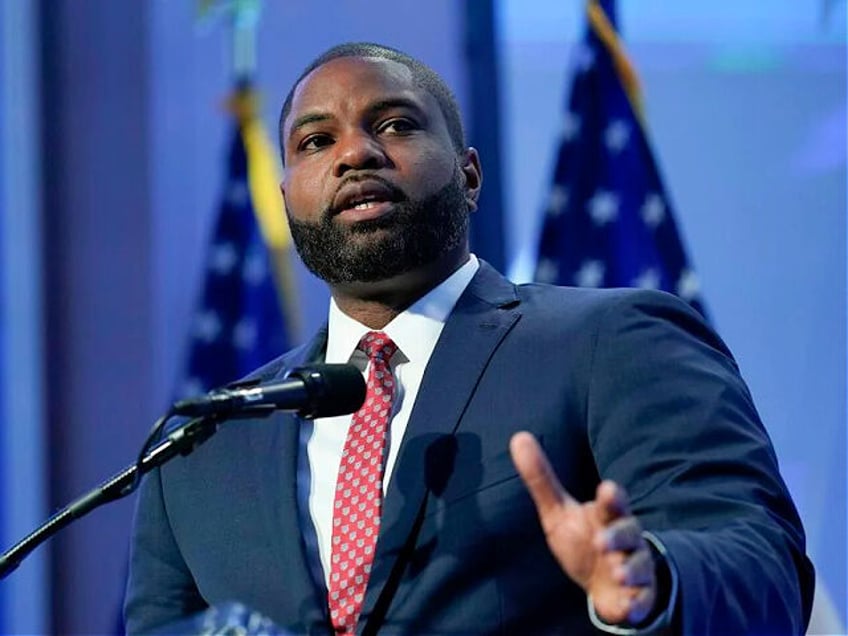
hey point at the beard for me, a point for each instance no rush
(414, 234)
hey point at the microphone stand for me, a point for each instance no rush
(182, 440)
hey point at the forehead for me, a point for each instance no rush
(347, 82)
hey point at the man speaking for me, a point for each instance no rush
(528, 459)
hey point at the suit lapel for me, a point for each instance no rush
(484, 314)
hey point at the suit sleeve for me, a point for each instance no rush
(160, 589)
(671, 419)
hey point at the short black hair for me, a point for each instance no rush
(422, 75)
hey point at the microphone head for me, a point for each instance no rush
(333, 389)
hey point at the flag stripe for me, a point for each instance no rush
(606, 33)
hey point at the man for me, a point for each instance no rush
(450, 503)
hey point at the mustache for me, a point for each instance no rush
(394, 191)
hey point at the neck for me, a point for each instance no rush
(377, 303)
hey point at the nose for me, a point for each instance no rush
(358, 150)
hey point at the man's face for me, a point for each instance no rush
(373, 185)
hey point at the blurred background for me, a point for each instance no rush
(114, 159)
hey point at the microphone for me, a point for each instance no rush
(320, 390)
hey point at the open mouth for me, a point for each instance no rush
(367, 203)
(365, 199)
(366, 210)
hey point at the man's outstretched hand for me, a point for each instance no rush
(599, 544)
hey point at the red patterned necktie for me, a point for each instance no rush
(359, 488)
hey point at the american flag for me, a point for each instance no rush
(240, 323)
(608, 220)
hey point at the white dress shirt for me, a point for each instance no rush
(415, 332)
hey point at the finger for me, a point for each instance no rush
(536, 472)
(637, 570)
(612, 501)
(633, 604)
(624, 534)
(641, 603)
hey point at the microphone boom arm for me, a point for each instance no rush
(320, 390)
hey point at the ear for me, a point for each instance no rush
(470, 166)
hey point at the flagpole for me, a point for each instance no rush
(263, 169)
(245, 20)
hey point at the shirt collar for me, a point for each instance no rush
(414, 330)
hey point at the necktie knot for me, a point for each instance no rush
(378, 346)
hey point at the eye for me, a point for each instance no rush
(315, 142)
(398, 126)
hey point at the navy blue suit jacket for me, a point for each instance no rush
(626, 385)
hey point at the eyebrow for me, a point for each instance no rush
(305, 120)
(374, 109)
(395, 102)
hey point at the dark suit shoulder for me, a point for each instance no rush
(594, 301)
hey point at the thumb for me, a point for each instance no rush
(532, 464)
